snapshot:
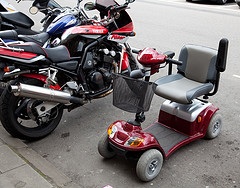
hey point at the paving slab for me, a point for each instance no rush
(12, 142)
(23, 176)
(9, 160)
(21, 166)
(43, 166)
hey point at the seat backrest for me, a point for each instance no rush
(198, 63)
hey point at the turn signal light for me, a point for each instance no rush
(199, 119)
(8, 68)
(112, 130)
(134, 141)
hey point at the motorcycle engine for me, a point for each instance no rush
(98, 68)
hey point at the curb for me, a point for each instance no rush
(43, 167)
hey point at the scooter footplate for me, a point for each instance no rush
(166, 137)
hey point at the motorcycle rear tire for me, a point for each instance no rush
(9, 104)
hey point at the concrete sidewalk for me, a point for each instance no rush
(22, 167)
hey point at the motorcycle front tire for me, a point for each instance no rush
(13, 112)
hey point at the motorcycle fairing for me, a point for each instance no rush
(123, 24)
(30, 50)
(88, 29)
(125, 61)
(127, 29)
(18, 54)
(118, 38)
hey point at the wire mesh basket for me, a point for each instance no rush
(132, 95)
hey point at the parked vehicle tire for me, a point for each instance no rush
(238, 2)
(149, 165)
(221, 2)
(15, 115)
(214, 127)
(103, 147)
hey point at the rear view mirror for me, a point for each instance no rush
(89, 6)
(33, 10)
(130, 1)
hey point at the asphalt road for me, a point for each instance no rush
(165, 25)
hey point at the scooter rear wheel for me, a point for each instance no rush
(149, 165)
(214, 127)
(103, 147)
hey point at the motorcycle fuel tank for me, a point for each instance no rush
(92, 31)
(61, 23)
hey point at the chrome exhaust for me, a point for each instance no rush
(46, 94)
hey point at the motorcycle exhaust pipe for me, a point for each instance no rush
(46, 94)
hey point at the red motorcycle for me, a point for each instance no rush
(49, 80)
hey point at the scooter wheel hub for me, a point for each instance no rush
(152, 167)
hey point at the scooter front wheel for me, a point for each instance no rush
(149, 165)
(103, 147)
(214, 127)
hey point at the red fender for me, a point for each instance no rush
(42, 78)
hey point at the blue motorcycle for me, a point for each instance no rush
(17, 26)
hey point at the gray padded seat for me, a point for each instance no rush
(195, 77)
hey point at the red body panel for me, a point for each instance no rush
(125, 61)
(126, 130)
(193, 131)
(17, 54)
(125, 29)
(186, 127)
(42, 78)
(149, 57)
(88, 30)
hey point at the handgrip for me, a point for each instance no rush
(173, 61)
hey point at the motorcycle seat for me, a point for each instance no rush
(17, 18)
(40, 38)
(56, 54)
(9, 34)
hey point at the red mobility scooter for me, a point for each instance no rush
(183, 117)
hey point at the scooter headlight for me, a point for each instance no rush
(112, 130)
(134, 141)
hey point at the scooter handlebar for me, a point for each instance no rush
(173, 61)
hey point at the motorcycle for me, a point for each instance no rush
(22, 24)
(56, 21)
(68, 76)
